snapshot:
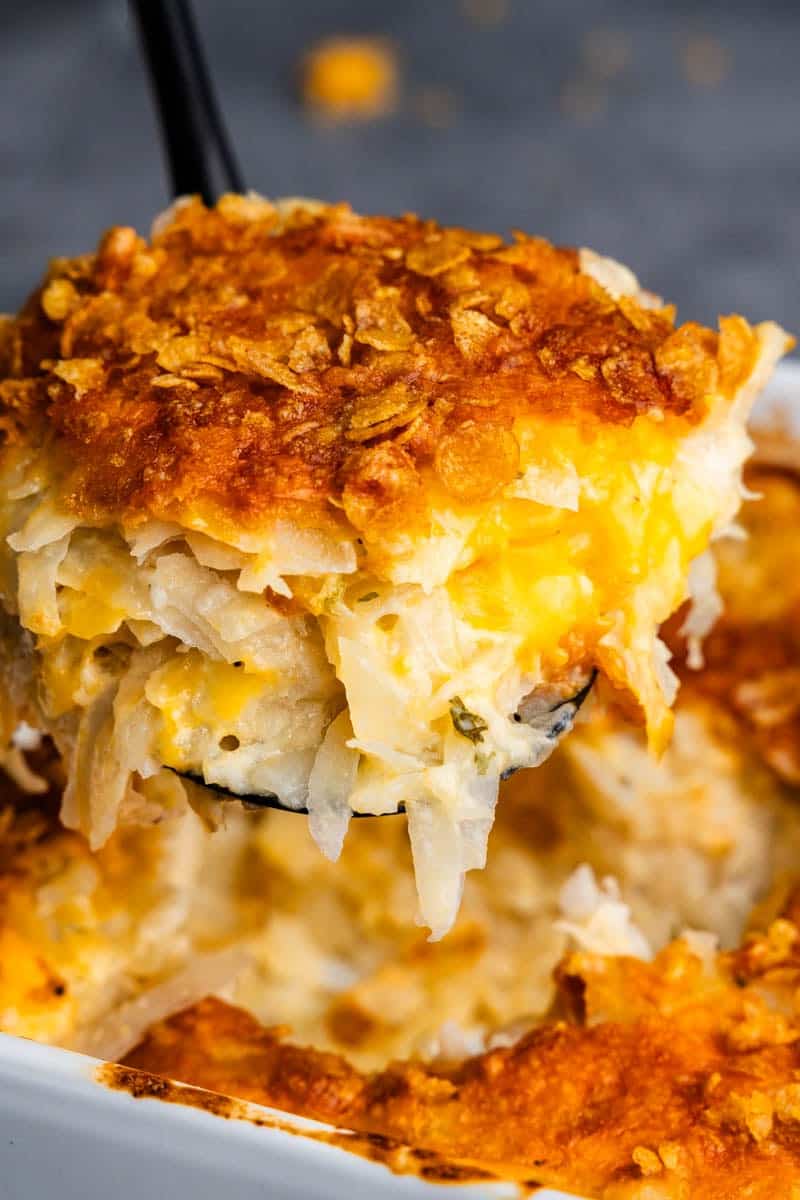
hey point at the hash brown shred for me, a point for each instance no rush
(254, 357)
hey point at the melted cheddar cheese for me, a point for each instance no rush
(191, 692)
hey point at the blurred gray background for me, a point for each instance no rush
(665, 134)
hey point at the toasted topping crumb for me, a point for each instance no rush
(237, 361)
(345, 78)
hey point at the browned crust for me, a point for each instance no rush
(252, 363)
(755, 675)
(659, 1069)
(752, 655)
(402, 1159)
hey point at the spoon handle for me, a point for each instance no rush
(198, 151)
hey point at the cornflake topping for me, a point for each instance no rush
(257, 357)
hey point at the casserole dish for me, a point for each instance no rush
(65, 1132)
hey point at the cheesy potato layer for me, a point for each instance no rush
(343, 510)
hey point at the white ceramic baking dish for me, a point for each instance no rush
(64, 1133)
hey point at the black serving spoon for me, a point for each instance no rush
(201, 161)
(553, 720)
(199, 153)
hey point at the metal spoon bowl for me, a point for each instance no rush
(553, 721)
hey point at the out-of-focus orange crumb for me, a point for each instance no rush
(345, 78)
(705, 61)
(436, 106)
(606, 52)
(606, 55)
(486, 14)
